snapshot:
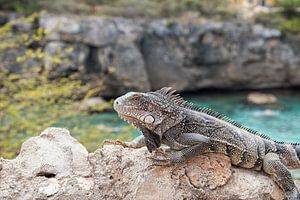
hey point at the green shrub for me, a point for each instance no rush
(127, 8)
(291, 25)
(164, 8)
(287, 19)
(21, 6)
(29, 100)
(289, 7)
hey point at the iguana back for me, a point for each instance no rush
(244, 146)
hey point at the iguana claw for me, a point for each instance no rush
(117, 142)
(138, 142)
(160, 158)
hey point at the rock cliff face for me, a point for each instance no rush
(135, 54)
(55, 166)
(152, 54)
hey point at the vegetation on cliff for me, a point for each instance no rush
(128, 8)
(283, 14)
(30, 99)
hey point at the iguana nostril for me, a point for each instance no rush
(116, 103)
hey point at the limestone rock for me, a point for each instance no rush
(107, 50)
(55, 166)
(258, 98)
(208, 176)
(37, 160)
(142, 55)
(266, 32)
(98, 32)
(49, 187)
(94, 104)
(126, 69)
(91, 30)
(75, 54)
(215, 55)
(46, 166)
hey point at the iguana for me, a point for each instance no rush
(165, 118)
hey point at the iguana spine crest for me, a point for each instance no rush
(168, 92)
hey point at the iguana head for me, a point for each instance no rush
(156, 111)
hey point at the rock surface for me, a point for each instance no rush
(148, 55)
(55, 166)
(93, 104)
(141, 55)
(258, 98)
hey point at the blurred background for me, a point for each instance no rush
(63, 62)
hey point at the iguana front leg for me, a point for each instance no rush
(149, 139)
(281, 175)
(194, 143)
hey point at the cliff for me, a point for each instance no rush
(142, 55)
(54, 165)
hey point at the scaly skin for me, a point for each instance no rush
(165, 118)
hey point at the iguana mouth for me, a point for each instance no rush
(131, 120)
(123, 114)
(124, 110)
(128, 118)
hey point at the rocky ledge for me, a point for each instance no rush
(54, 165)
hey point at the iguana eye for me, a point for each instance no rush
(135, 97)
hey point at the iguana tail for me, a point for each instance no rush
(289, 154)
(297, 149)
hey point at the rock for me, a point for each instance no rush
(73, 56)
(55, 166)
(94, 104)
(261, 64)
(265, 32)
(125, 67)
(39, 161)
(49, 187)
(8, 16)
(258, 98)
(205, 177)
(142, 55)
(294, 66)
(98, 32)
(3, 18)
(60, 27)
(22, 27)
(107, 49)
(8, 60)
(45, 167)
(90, 31)
(145, 54)
(215, 55)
